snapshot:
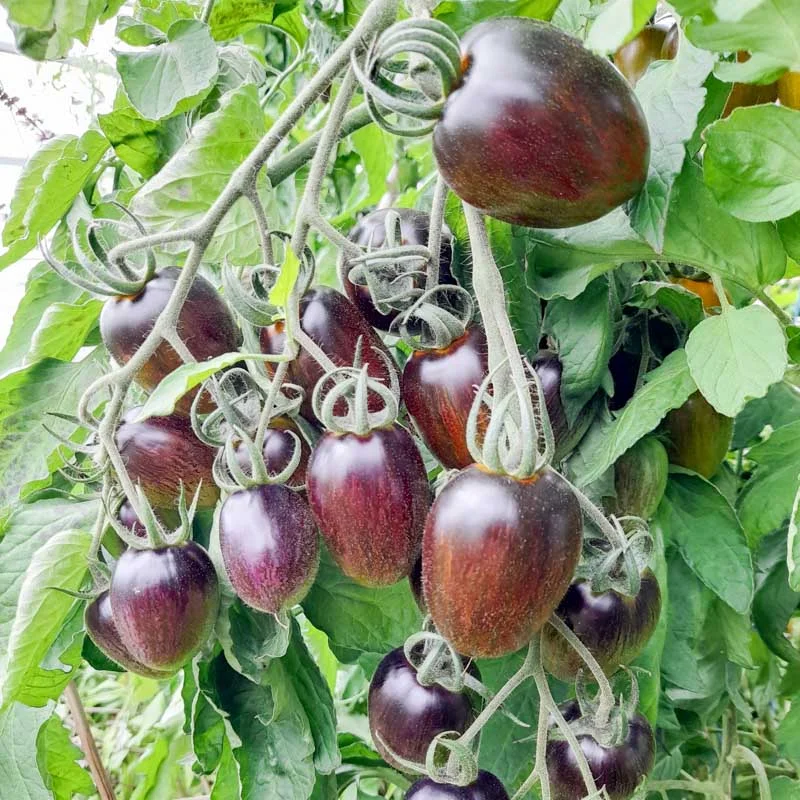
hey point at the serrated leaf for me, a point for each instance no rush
(48, 183)
(780, 406)
(19, 727)
(704, 527)
(172, 77)
(666, 387)
(618, 22)
(230, 18)
(40, 609)
(752, 162)
(63, 330)
(736, 356)
(461, 15)
(57, 757)
(684, 304)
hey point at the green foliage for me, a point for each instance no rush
(56, 755)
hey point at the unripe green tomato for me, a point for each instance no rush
(640, 479)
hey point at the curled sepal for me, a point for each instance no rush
(435, 660)
(407, 72)
(343, 398)
(451, 761)
(437, 318)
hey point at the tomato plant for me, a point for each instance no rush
(406, 404)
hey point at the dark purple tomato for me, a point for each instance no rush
(624, 368)
(370, 495)
(614, 627)
(485, 787)
(101, 627)
(278, 451)
(127, 516)
(438, 389)
(415, 582)
(538, 130)
(205, 325)
(165, 603)
(270, 546)
(160, 453)
(335, 325)
(370, 231)
(497, 557)
(698, 436)
(619, 768)
(548, 370)
(405, 716)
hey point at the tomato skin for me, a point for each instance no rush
(615, 628)
(270, 546)
(698, 436)
(640, 479)
(100, 625)
(748, 94)
(539, 131)
(165, 603)
(160, 452)
(278, 450)
(438, 388)
(205, 325)
(789, 90)
(335, 324)
(370, 231)
(497, 557)
(405, 716)
(485, 787)
(415, 584)
(649, 45)
(705, 291)
(370, 495)
(620, 769)
(549, 370)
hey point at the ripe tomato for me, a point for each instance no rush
(485, 787)
(649, 45)
(370, 231)
(704, 290)
(278, 450)
(538, 130)
(164, 603)
(369, 495)
(497, 557)
(615, 628)
(205, 325)
(789, 90)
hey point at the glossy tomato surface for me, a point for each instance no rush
(370, 495)
(749, 94)
(549, 370)
(614, 627)
(497, 557)
(640, 479)
(160, 453)
(335, 325)
(538, 130)
(270, 546)
(649, 45)
(370, 232)
(698, 436)
(100, 625)
(485, 787)
(165, 603)
(405, 716)
(205, 325)
(619, 768)
(438, 389)
(278, 450)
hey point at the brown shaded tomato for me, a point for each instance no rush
(370, 495)
(749, 94)
(789, 90)
(100, 625)
(497, 557)
(640, 479)
(538, 130)
(649, 45)
(160, 453)
(278, 451)
(370, 231)
(698, 436)
(205, 325)
(485, 787)
(615, 628)
(336, 325)
(619, 768)
(164, 603)
(405, 716)
(270, 546)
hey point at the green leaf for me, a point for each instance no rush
(279, 294)
(26, 398)
(666, 387)
(230, 18)
(793, 544)
(181, 193)
(461, 15)
(752, 162)
(672, 94)
(19, 727)
(256, 639)
(765, 502)
(789, 230)
(684, 304)
(172, 77)
(736, 356)
(57, 757)
(361, 623)
(703, 526)
(375, 147)
(780, 406)
(773, 606)
(41, 610)
(63, 330)
(226, 781)
(787, 736)
(584, 332)
(784, 788)
(736, 633)
(49, 182)
(618, 22)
